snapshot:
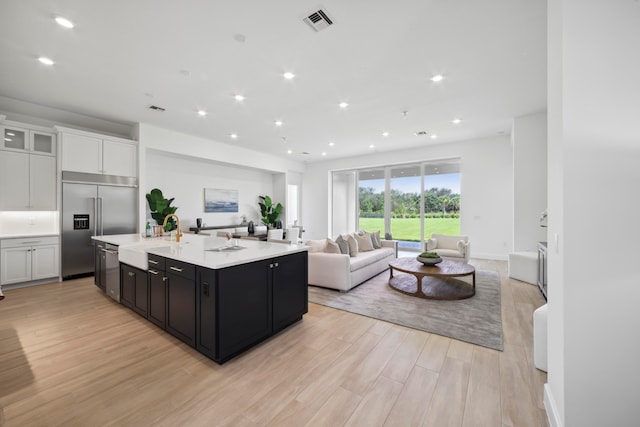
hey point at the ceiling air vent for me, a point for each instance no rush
(318, 20)
(156, 108)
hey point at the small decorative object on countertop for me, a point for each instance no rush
(429, 258)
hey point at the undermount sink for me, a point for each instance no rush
(227, 248)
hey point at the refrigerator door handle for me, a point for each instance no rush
(101, 222)
(95, 216)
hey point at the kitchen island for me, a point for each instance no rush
(217, 297)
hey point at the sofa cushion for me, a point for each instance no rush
(375, 239)
(364, 242)
(446, 241)
(316, 245)
(332, 247)
(452, 253)
(366, 258)
(343, 245)
(353, 245)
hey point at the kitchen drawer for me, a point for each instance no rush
(156, 262)
(28, 242)
(182, 269)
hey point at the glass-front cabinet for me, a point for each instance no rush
(30, 140)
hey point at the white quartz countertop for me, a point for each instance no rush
(197, 249)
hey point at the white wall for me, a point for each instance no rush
(185, 178)
(529, 139)
(594, 347)
(486, 187)
(215, 164)
(24, 223)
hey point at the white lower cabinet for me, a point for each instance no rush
(27, 259)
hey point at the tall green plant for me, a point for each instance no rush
(270, 212)
(160, 207)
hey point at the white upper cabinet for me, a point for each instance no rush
(93, 153)
(19, 138)
(81, 153)
(27, 182)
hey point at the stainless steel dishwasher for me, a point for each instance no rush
(112, 271)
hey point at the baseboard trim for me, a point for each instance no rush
(552, 410)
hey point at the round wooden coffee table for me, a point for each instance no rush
(432, 282)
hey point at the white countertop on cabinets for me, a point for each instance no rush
(196, 249)
(28, 236)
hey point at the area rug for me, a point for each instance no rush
(476, 320)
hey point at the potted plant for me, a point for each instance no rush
(160, 207)
(270, 212)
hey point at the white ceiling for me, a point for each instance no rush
(125, 55)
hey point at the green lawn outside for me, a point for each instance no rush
(408, 229)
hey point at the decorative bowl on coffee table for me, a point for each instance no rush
(429, 261)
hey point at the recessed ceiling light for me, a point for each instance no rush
(343, 105)
(64, 22)
(289, 151)
(288, 75)
(234, 136)
(433, 136)
(372, 146)
(437, 78)
(46, 61)
(239, 98)
(331, 144)
(385, 133)
(456, 121)
(202, 113)
(278, 122)
(324, 153)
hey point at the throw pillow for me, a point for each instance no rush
(353, 245)
(343, 245)
(364, 242)
(432, 244)
(316, 245)
(332, 247)
(375, 240)
(462, 246)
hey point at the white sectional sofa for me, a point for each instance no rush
(342, 271)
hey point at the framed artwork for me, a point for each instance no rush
(217, 200)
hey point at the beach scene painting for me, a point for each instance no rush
(216, 200)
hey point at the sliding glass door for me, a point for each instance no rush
(404, 202)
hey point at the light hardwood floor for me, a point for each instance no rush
(70, 356)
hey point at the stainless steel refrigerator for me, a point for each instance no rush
(93, 205)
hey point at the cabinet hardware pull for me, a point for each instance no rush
(131, 274)
(153, 272)
(153, 262)
(205, 289)
(34, 249)
(276, 264)
(270, 265)
(164, 279)
(179, 270)
(33, 242)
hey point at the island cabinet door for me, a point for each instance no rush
(157, 297)
(206, 327)
(290, 292)
(134, 289)
(181, 301)
(243, 307)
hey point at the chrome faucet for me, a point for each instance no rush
(178, 233)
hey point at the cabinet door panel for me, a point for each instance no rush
(206, 327)
(181, 308)
(16, 265)
(290, 291)
(14, 181)
(44, 262)
(127, 286)
(157, 298)
(119, 158)
(43, 142)
(42, 183)
(141, 302)
(244, 311)
(81, 153)
(14, 138)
